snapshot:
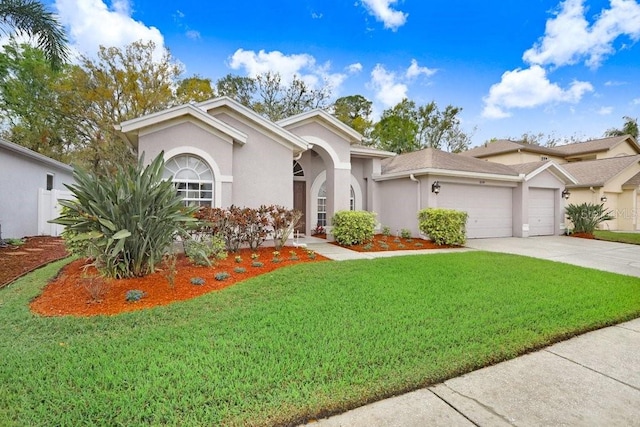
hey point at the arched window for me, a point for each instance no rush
(192, 178)
(322, 203)
(297, 169)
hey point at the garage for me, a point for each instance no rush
(489, 208)
(542, 211)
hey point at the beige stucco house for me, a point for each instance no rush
(220, 153)
(606, 171)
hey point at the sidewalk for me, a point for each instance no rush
(589, 380)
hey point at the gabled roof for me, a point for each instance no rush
(326, 119)
(530, 170)
(297, 143)
(596, 146)
(503, 146)
(634, 181)
(431, 160)
(131, 128)
(24, 151)
(364, 151)
(596, 173)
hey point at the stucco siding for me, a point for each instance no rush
(515, 158)
(20, 180)
(323, 138)
(623, 149)
(399, 205)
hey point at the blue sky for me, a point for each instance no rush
(563, 68)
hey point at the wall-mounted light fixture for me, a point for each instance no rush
(565, 194)
(435, 187)
(603, 199)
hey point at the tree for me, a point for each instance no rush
(398, 128)
(194, 89)
(406, 127)
(30, 102)
(269, 96)
(120, 85)
(630, 127)
(354, 111)
(30, 17)
(242, 89)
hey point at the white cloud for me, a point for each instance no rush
(529, 88)
(415, 70)
(569, 37)
(614, 83)
(354, 68)
(91, 24)
(316, 15)
(388, 91)
(605, 111)
(635, 101)
(303, 66)
(193, 34)
(382, 11)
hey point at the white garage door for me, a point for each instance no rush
(489, 208)
(542, 212)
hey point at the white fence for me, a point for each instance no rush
(48, 209)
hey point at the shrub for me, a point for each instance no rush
(282, 222)
(293, 256)
(587, 216)
(353, 227)
(311, 254)
(201, 249)
(386, 231)
(238, 259)
(128, 220)
(239, 270)
(134, 295)
(256, 264)
(198, 281)
(443, 226)
(223, 275)
(405, 233)
(368, 247)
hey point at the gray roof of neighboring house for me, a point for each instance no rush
(593, 146)
(527, 168)
(595, 173)
(430, 158)
(634, 181)
(503, 146)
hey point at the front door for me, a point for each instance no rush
(300, 204)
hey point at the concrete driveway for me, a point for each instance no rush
(608, 256)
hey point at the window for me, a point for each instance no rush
(49, 181)
(192, 178)
(297, 169)
(322, 203)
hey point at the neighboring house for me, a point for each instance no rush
(606, 170)
(30, 185)
(220, 153)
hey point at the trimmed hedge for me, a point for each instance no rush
(444, 226)
(353, 227)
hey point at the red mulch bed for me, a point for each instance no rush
(390, 243)
(68, 293)
(16, 261)
(583, 235)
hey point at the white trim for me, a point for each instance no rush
(448, 172)
(319, 115)
(559, 173)
(218, 178)
(315, 188)
(371, 152)
(294, 141)
(131, 128)
(335, 159)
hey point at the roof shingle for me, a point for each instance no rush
(597, 172)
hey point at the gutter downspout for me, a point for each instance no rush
(413, 178)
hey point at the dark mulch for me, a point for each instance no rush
(16, 261)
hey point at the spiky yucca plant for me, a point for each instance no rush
(129, 220)
(587, 216)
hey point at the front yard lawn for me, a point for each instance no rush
(298, 343)
(633, 238)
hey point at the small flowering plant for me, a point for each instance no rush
(254, 256)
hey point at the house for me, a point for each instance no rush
(30, 185)
(606, 170)
(220, 153)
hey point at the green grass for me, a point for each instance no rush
(296, 343)
(633, 238)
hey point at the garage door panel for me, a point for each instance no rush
(542, 212)
(489, 208)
